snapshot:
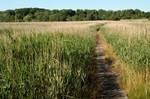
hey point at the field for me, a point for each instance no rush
(44, 64)
(130, 42)
(52, 59)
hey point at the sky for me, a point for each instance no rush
(143, 5)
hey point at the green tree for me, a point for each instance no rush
(28, 18)
(37, 14)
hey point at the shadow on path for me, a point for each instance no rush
(105, 83)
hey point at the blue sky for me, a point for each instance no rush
(77, 4)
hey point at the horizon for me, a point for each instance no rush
(114, 5)
(74, 9)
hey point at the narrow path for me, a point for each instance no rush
(106, 80)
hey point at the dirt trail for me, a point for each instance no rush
(107, 86)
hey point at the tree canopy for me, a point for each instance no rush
(38, 14)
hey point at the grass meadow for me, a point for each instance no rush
(130, 42)
(51, 60)
(48, 64)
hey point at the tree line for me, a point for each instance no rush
(38, 14)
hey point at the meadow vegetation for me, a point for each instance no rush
(130, 41)
(51, 59)
(44, 65)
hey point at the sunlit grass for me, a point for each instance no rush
(133, 57)
(44, 65)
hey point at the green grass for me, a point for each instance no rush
(136, 53)
(42, 66)
(133, 51)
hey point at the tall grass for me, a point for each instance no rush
(51, 66)
(41, 27)
(134, 51)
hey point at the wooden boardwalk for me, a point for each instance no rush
(107, 86)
